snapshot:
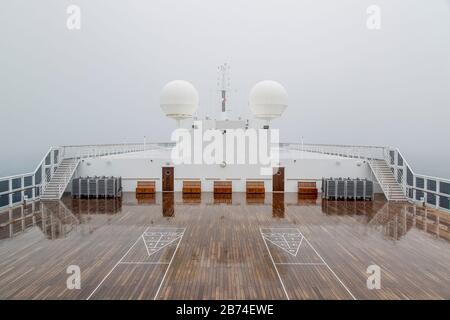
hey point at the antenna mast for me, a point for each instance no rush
(223, 84)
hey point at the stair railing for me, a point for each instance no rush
(66, 179)
(383, 184)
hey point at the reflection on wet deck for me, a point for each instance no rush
(54, 220)
(57, 218)
(392, 220)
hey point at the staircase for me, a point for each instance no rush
(60, 179)
(391, 188)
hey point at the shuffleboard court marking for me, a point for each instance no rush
(274, 265)
(278, 232)
(142, 262)
(170, 263)
(329, 268)
(286, 241)
(141, 237)
(156, 240)
(115, 266)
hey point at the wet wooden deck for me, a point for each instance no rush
(272, 247)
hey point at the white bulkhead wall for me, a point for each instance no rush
(133, 170)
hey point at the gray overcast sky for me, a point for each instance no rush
(346, 84)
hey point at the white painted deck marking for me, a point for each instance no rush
(165, 238)
(329, 268)
(155, 241)
(287, 241)
(170, 263)
(274, 265)
(263, 234)
(115, 266)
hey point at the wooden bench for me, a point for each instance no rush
(223, 187)
(255, 187)
(192, 186)
(307, 188)
(145, 187)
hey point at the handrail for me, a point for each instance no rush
(54, 158)
(384, 153)
(31, 172)
(409, 188)
(115, 144)
(334, 145)
(353, 151)
(62, 186)
(367, 152)
(381, 182)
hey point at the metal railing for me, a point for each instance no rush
(348, 151)
(89, 151)
(62, 180)
(382, 183)
(67, 177)
(16, 189)
(432, 191)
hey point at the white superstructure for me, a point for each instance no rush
(213, 159)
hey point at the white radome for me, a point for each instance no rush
(268, 100)
(179, 99)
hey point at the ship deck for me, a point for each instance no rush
(272, 247)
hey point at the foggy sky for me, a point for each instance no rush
(346, 84)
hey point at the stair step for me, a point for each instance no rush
(59, 179)
(388, 180)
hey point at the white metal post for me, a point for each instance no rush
(438, 197)
(22, 193)
(10, 193)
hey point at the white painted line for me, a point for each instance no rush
(274, 265)
(303, 263)
(148, 252)
(321, 258)
(340, 281)
(170, 263)
(301, 240)
(165, 228)
(138, 262)
(115, 266)
(166, 245)
(289, 243)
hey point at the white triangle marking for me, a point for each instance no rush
(155, 241)
(291, 245)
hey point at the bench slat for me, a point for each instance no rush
(145, 187)
(307, 188)
(223, 187)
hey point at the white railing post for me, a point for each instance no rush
(10, 193)
(404, 177)
(438, 196)
(22, 193)
(42, 177)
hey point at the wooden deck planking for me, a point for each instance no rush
(222, 254)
